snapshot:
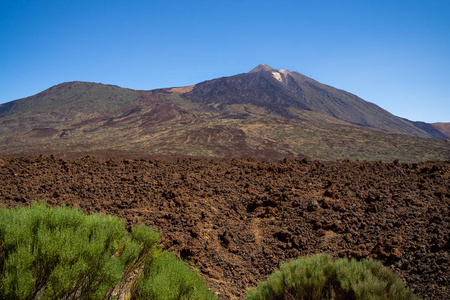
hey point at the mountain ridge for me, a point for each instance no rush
(265, 113)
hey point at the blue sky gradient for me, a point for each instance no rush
(395, 54)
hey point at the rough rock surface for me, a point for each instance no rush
(237, 220)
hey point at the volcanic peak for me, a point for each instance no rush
(263, 67)
(280, 75)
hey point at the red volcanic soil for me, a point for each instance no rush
(237, 220)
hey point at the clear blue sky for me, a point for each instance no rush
(393, 53)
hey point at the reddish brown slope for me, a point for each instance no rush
(237, 220)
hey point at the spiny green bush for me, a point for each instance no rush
(322, 277)
(61, 253)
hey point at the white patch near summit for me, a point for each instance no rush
(277, 76)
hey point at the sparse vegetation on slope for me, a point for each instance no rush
(253, 114)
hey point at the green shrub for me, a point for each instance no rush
(322, 277)
(56, 253)
(168, 278)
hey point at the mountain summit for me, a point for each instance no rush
(265, 113)
(280, 75)
(262, 67)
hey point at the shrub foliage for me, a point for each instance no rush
(61, 253)
(166, 276)
(322, 277)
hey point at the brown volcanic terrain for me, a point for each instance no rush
(238, 219)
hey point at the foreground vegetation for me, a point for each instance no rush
(322, 277)
(61, 253)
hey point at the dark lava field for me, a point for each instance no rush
(236, 220)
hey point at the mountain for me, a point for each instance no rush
(281, 91)
(265, 113)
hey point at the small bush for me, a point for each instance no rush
(322, 277)
(56, 253)
(169, 279)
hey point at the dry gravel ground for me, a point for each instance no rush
(236, 220)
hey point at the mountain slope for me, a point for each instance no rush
(266, 113)
(279, 90)
(83, 97)
(444, 128)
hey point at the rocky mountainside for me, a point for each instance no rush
(280, 91)
(265, 113)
